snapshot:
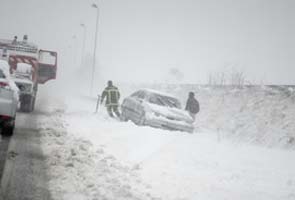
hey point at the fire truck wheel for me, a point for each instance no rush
(28, 105)
(8, 131)
(33, 103)
(24, 106)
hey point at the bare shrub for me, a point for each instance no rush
(236, 79)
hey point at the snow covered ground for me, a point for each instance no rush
(79, 170)
(242, 149)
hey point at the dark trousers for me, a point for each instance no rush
(113, 108)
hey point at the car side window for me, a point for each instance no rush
(156, 100)
(141, 95)
(135, 94)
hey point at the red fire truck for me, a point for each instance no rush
(29, 66)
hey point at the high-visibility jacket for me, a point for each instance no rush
(112, 95)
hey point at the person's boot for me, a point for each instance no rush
(118, 114)
(111, 114)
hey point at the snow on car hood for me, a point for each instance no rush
(170, 113)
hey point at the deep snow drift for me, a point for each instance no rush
(95, 156)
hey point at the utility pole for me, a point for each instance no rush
(83, 42)
(95, 46)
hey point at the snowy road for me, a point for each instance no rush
(25, 174)
(4, 142)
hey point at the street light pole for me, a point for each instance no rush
(83, 44)
(75, 51)
(95, 46)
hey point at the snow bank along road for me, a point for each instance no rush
(82, 155)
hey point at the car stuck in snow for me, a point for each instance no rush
(156, 109)
(8, 99)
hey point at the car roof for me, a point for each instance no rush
(152, 91)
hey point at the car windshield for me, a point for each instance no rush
(2, 74)
(138, 94)
(164, 101)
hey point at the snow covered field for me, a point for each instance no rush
(242, 149)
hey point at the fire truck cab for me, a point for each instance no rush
(29, 66)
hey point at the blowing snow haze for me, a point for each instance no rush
(157, 143)
(161, 40)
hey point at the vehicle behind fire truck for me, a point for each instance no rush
(29, 66)
(9, 96)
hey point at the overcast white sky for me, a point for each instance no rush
(142, 40)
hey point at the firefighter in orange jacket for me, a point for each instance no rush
(112, 95)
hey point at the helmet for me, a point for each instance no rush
(110, 83)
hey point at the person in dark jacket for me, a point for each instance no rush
(112, 95)
(14, 41)
(192, 105)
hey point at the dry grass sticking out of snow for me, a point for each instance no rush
(80, 171)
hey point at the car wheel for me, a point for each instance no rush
(27, 104)
(141, 119)
(8, 129)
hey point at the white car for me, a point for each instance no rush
(8, 100)
(156, 109)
